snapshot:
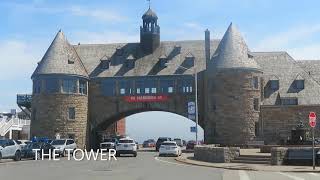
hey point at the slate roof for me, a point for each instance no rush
(176, 53)
(149, 14)
(232, 52)
(60, 58)
(312, 67)
(280, 65)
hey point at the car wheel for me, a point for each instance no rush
(0, 156)
(63, 153)
(17, 156)
(117, 154)
(135, 154)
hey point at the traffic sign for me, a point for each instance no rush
(312, 119)
(191, 107)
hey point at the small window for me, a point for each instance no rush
(82, 87)
(274, 84)
(170, 89)
(105, 64)
(256, 104)
(52, 85)
(70, 61)
(122, 91)
(130, 64)
(153, 90)
(72, 113)
(255, 82)
(119, 51)
(299, 84)
(147, 90)
(69, 141)
(138, 91)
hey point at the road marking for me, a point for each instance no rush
(168, 162)
(243, 175)
(291, 176)
(314, 174)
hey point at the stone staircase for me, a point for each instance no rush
(252, 159)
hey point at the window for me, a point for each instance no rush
(255, 82)
(150, 86)
(274, 84)
(139, 87)
(185, 85)
(289, 101)
(166, 86)
(70, 61)
(146, 90)
(72, 113)
(109, 87)
(256, 104)
(52, 85)
(82, 87)
(69, 86)
(125, 87)
(36, 86)
(70, 141)
(153, 90)
(138, 91)
(299, 84)
(105, 64)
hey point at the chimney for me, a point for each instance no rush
(207, 44)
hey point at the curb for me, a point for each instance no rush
(185, 161)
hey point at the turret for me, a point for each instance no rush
(60, 94)
(233, 78)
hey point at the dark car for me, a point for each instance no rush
(191, 144)
(149, 143)
(161, 140)
(29, 150)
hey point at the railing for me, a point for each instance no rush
(13, 124)
(24, 100)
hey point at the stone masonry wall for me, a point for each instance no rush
(278, 121)
(50, 117)
(210, 153)
(230, 115)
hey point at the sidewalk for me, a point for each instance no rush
(188, 159)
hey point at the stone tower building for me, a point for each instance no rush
(233, 91)
(60, 89)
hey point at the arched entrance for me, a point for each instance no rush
(164, 122)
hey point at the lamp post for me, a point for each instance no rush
(195, 74)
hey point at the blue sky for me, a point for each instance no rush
(28, 27)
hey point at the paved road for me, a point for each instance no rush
(145, 166)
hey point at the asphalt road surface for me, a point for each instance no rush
(146, 166)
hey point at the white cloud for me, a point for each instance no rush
(18, 59)
(97, 14)
(295, 40)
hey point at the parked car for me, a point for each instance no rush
(23, 143)
(109, 143)
(161, 140)
(169, 148)
(191, 144)
(28, 151)
(62, 145)
(178, 141)
(149, 143)
(126, 146)
(10, 149)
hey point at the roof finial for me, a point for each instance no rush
(149, 3)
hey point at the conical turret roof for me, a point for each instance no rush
(60, 58)
(149, 14)
(232, 52)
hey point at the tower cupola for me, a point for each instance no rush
(149, 32)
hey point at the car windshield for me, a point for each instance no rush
(33, 146)
(3, 142)
(126, 141)
(109, 140)
(168, 144)
(58, 142)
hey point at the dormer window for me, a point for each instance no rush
(130, 62)
(163, 60)
(70, 61)
(119, 51)
(299, 84)
(274, 84)
(189, 61)
(105, 62)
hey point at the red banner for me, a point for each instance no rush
(146, 98)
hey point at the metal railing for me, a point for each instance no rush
(13, 124)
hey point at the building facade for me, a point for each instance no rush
(79, 90)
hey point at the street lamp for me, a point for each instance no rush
(195, 74)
